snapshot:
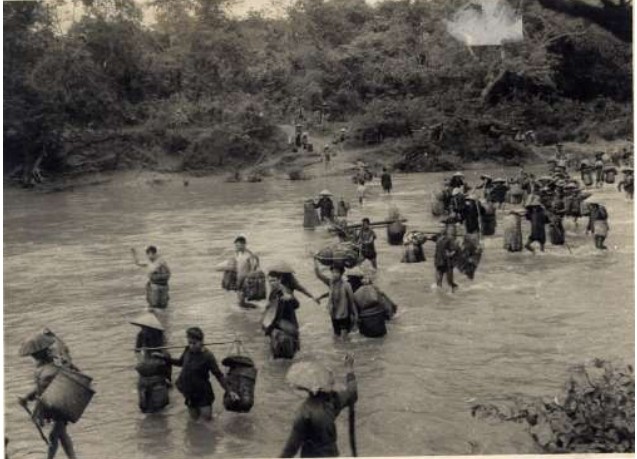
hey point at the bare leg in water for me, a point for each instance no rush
(60, 435)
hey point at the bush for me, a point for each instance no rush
(595, 415)
(297, 174)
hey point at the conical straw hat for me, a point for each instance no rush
(36, 343)
(325, 193)
(148, 320)
(311, 376)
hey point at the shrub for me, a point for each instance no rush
(595, 415)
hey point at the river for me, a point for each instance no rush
(514, 330)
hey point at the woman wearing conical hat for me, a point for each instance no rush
(314, 428)
(38, 347)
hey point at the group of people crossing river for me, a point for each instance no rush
(348, 268)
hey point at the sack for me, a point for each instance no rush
(344, 253)
(488, 224)
(283, 345)
(366, 297)
(609, 177)
(254, 286)
(587, 178)
(395, 233)
(240, 379)
(372, 326)
(153, 394)
(151, 366)
(513, 236)
(310, 217)
(469, 257)
(229, 280)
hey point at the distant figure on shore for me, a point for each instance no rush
(361, 190)
(627, 183)
(386, 181)
(158, 277)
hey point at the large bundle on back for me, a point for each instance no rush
(437, 204)
(609, 174)
(241, 379)
(284, 340)
(229, 270)
(68, 395)
(254, 286)
(371, 312)
(414, 252)
(516, 193)
(344, 253)
(468, 258)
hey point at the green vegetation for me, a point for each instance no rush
(595, 415)
(202, 90)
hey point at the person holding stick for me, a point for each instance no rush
(314, 428)
(341, 304)
(38, 347)
(193, 382)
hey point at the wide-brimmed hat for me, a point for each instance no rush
(311, 376)
(627, 170)
(325, 193)
(281, 266)
(148, 320)
(458, 174)
(499, 180)
(486, 177)
(36, 343)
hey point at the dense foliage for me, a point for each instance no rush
(209, 88)
(596, 414)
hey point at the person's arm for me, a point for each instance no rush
(213, 367)
(168, 358)
(295, 440)
(322, 277)
(351, 302)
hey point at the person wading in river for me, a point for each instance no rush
(38, 347)
(341, 305)
(598, 224)
(314, 428)
(193, 382)
(247, 262)
(536, 214)
(366, 238)
(446, 250)
(325, 206)
(385, 181)
(158, 277)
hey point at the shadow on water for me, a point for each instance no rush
(154, 435)
(202, 438)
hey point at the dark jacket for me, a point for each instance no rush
(385, 181)
(326, 207)
(194, 380)
(446, 248)
(314, 429)
(537, 217)
(471, 216)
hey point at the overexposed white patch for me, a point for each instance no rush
(486, 23)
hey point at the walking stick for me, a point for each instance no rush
(352, 430)
(35, 423)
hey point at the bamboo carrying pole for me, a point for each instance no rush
(163, 348)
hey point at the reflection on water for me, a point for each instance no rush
(515, 329)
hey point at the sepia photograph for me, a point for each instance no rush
(318, 228)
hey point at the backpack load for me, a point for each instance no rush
(609, 174)
(366, 297)
(513, 235)
(437, 205)
(254, 286)
(241, 379)
(344, 253)
(516, 194)
(68, 395)
(469, 257)
(556, 233)
(587, 178)
(229, 270)
(153, 394)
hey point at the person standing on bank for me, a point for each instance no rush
(193, 382)
(38, 347)
(158, 277)
(386, 181)
(314, 428)
(366, 238)
(247, 262)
